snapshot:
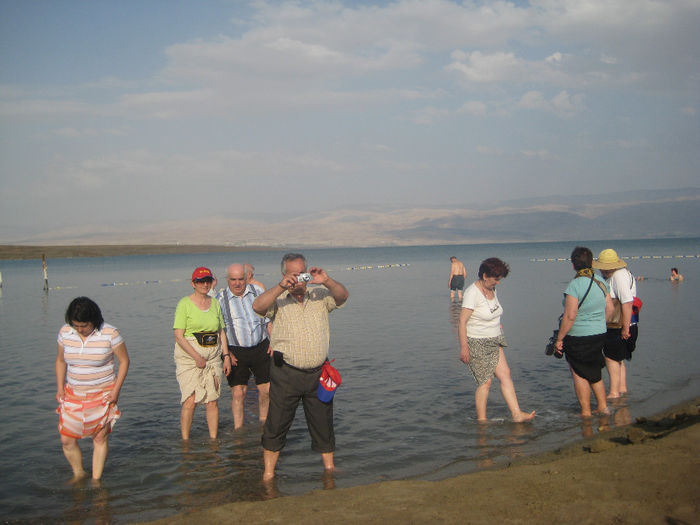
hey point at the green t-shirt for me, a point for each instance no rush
(191, 319)
(590, 319)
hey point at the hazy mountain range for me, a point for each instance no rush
(630, 214)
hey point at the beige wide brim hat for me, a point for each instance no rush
(608, 260)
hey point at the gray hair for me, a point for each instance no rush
(291, 257)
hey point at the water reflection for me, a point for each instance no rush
(493, 443)
(328, 479)
(269, 489)
(619, 416)
(199, 476)
(455, 310)
(89, 502)
(622, 417)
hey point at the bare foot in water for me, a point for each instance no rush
(602, 412)
(523, 416)
(78, 476)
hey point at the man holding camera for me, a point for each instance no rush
(299, 338)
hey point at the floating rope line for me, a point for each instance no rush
(632, 257)
(377, 267)
(137, 282)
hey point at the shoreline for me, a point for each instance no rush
(645, 472)
(26, 252)
(10, 252)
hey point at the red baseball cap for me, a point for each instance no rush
(201, 273)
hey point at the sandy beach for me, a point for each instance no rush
(647, 472)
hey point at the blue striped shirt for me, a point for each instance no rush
(243, 326)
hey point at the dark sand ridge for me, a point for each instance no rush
(647, 472)
(8, 251)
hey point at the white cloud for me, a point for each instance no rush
(46, 107)
(562, 104)
(428, 115)
(381, 148)
(626, 144)
(554, 58)
(489, 150)
(488, 68)
(474, 107)
(542, 154)
(87, 132)
(166, 104)
(566, 105)
(145, 168)
(534, 100)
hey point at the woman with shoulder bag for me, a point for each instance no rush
(581, 336)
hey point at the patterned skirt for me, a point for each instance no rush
(483, 356)
(83, 414)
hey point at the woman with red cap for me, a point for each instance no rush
(200, 336)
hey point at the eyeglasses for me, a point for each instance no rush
(204, 280)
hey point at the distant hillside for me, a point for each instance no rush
(634, 214)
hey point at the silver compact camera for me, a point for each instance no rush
(304, 277)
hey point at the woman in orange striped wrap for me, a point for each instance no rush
(87, 388)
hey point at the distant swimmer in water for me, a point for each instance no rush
(675, 276)
(457, 275)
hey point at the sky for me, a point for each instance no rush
(140, 112)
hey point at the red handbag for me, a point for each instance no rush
(328, 382)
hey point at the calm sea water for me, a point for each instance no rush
(406, 406)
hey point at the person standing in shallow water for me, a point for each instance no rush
(248, 341)
(622, 330)
(300, 339)
(582, 332)
(481, 339)
(458, 273)
(200, 346)
(87, 390)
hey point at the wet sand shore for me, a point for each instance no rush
(8, 252)
(647, 472)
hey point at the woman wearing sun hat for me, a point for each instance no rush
(200, 336)
(621, 338)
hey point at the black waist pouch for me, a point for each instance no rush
(207, 338)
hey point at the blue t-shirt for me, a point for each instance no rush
(590, 319)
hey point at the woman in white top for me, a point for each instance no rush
(481, 339)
